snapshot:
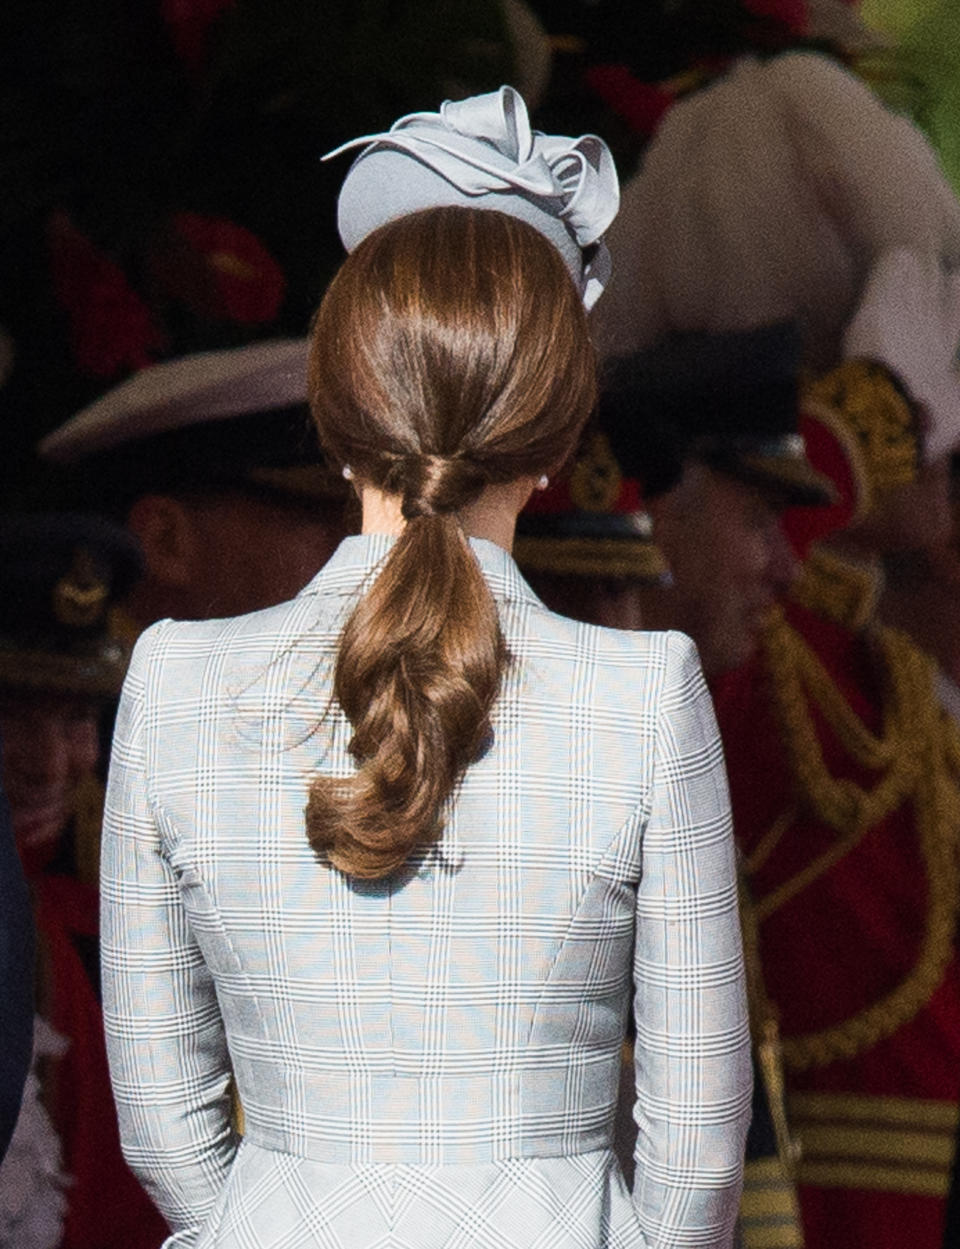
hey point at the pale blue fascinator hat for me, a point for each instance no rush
(482, 153)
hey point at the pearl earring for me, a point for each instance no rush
(347, 472)
(543, 482)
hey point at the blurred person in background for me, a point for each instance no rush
(211, 462)
(845, 778)
(64, 1184)
(700, 436)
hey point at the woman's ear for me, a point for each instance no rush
(168, 537)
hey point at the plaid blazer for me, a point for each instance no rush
(432, 1060)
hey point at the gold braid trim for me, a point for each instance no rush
(918, 759)
(872, 405)
(911, 718)
(882, 1143)
(831, 585)
(769, 1211)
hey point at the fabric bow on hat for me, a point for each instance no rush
(484, 147)
(577, 174)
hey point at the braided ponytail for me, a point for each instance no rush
(417, 672)
(450, 353)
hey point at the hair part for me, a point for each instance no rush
(451, 352)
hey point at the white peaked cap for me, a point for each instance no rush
(767, 196)
(192, 390)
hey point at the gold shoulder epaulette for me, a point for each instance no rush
(873, 405)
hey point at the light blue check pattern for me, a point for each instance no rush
(429, 1062)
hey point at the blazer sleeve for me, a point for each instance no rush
(166, 1044)
(692, 1052)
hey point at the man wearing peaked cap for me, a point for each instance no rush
(60, 664)
(212, 462)
(703, 428)
(845, 786)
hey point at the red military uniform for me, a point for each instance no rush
(843, 773)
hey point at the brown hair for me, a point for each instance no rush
(450, 352)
